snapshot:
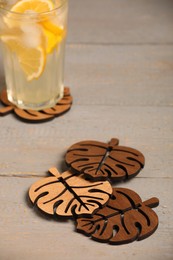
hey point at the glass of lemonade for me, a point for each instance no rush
(33, 34)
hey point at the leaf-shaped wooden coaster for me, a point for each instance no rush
(67, 194)
(124, 219)
(37, 116)
(99, 160)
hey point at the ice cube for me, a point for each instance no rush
(31, 34)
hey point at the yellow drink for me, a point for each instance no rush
(33, 49)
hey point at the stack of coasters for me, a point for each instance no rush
(84, 192)
(33, 116)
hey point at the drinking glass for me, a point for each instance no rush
(33, 35)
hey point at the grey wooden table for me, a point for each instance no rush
(119, 65)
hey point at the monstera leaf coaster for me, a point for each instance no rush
(37, 116)
(99, 161)
(124, 219)
(110, 215)
(68, 195)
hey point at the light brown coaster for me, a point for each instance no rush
(100, 161)
(68, 195)
(37, 116)
(124, 219)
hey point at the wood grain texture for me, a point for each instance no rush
(120, 75)
(119, 63)
(102, 161)
(22, 227)
(66, 195)
(148, 129)
(115, 21)
(123, 220)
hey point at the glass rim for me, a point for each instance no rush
(32, 14)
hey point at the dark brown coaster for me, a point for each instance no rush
(100, 161)
(68, 195)
(124, 219)
(37, 116)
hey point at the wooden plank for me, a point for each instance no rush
(121, 22)
(120, 75)
(28, 234)
(133, 79)
(40, 147)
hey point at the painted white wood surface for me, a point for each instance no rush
(119, 65)
(121, 22)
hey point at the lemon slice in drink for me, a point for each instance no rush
(52, 39)
(27, 6)
(53, 33)
(32, 60)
